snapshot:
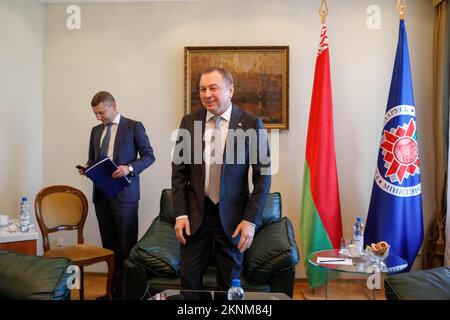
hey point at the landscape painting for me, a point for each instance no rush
(261, 79)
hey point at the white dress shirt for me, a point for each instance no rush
(209, 128)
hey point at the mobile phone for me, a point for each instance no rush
(79, 167)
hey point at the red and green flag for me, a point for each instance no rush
(320, 224)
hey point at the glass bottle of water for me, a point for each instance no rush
(236, 292)
(358, 233)
(24, 215)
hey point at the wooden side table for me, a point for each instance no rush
(22, 242)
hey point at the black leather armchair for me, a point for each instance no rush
(26, 277)
(269, 264)
(432, 284)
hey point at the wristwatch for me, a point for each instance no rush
(131, 170)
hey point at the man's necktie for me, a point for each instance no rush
(105, 143)
(215, 168)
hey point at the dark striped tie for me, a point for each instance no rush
(105, 142)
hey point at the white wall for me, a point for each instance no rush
(21, 102)
(135, 50)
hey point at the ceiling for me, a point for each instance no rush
(92, 1)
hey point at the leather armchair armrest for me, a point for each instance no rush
(26, 277)
(432, 284)
(158, 250)
(273, 250)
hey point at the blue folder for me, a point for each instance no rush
(101, 174)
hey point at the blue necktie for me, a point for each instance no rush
(105, 143)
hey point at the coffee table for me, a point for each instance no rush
(172, 294)
(360, 265)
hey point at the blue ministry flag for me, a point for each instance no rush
(395, 210)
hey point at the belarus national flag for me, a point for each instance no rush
(395, 210)
(320, 225)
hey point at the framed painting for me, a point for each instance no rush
(261, 79)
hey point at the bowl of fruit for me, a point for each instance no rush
(378, 252)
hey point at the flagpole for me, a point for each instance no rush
(320, 193)
(401, 7)
(397, 217)
(323, 11)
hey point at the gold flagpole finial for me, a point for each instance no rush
(323, 12)
(401, 7)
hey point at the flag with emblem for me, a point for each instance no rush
(395, 209)
(320, 224)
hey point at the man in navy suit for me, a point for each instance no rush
(121, 139)
(211, 197)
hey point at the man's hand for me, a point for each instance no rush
(247, 231)
(81, 169)
(122, 171)
(180, 225)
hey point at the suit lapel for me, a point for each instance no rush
(201, 116)
(235, 123)
(236, 115)
(97, 136)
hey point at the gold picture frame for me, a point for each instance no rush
(261, 75)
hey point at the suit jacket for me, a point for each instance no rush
(236, 202)
(130, 140)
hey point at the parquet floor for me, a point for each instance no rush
(338, 289)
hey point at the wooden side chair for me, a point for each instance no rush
(64, 208)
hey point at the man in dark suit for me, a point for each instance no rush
(211, 196)
(121, 139)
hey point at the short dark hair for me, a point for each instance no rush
(102, 96)
(225, 73)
